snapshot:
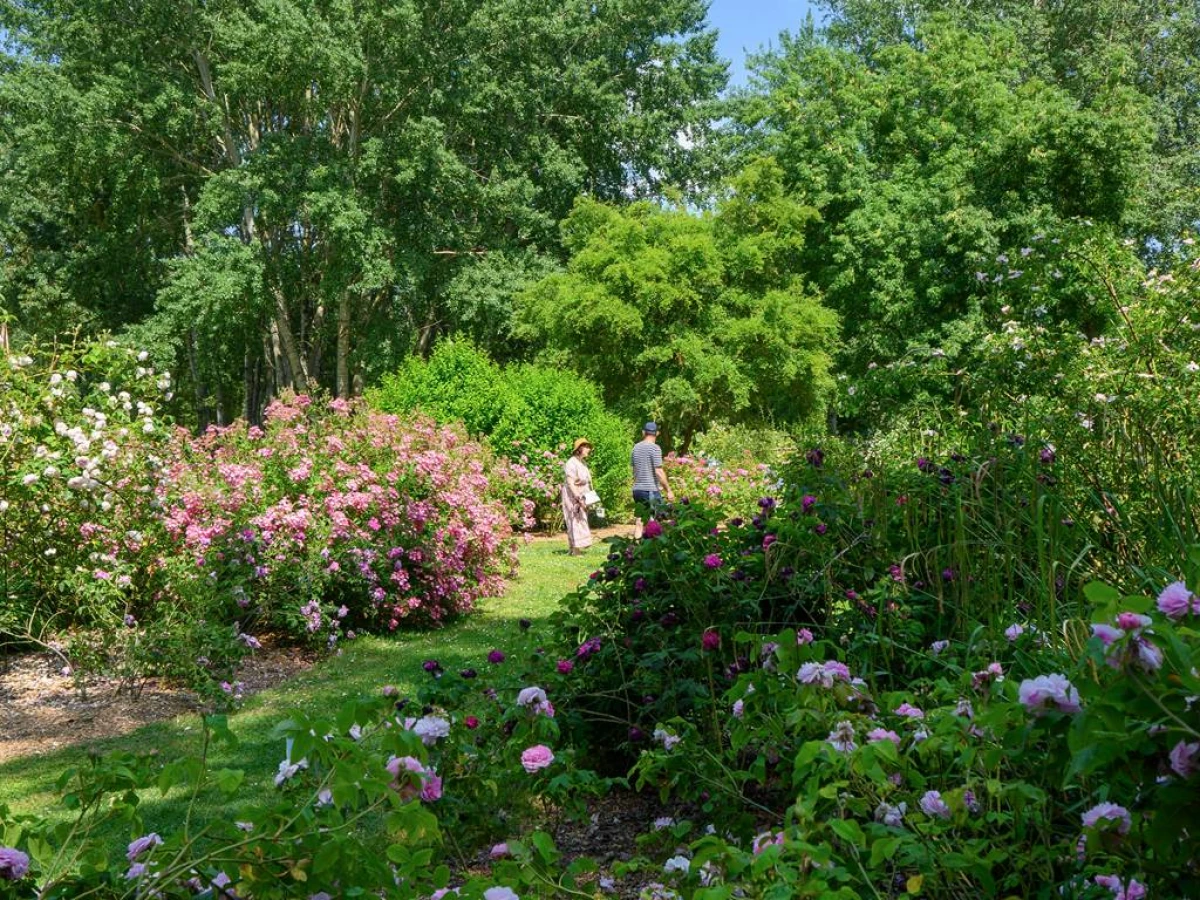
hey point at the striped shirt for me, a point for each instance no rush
(647, 456)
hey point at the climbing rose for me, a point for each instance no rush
(13, 864)
(1175, 600)
(537, 757)
(1048, 691)
(565, 666)
(712, 561)
(711, 640)
(652, 529)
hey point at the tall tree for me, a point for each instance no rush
(694, 318)
(298, 186)
(1081, 46)
(926, 158)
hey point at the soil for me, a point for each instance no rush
(600, 535)
(43, 710)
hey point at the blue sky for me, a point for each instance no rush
(746, 25)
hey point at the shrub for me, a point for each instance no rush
(83, 463)
(732, 488)
(329, 519)
(530, 415)
(371, 799)
(995, 774)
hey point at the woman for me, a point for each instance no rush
(578, 483)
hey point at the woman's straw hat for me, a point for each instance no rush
(582, 442)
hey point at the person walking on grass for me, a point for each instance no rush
(576, 486)
(649, 478)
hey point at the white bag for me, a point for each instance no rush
(590, 498)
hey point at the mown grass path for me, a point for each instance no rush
(547, 573)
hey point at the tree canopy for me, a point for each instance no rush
(690, 318)
(288, 194)
(925, 159)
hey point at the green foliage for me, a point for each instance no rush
(928, 158)
(530, 414)
(690, 318)
(368, 157)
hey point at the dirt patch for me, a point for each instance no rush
(43, 710)
(598, 534)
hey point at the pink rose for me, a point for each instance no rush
(536, 758)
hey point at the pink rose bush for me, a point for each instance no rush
(392, 518)
(159, 548)
(733, 488)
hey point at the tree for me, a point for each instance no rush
(1082, 47)
(693, 318)
(926, 159)
(367, 154)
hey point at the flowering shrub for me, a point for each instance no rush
(161, 553)
(984, 780)
(644, 635)
(413, 776)
(734, 489)
(326, 520)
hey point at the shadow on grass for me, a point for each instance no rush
(364, 666)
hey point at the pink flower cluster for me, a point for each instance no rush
(429, 786)
(1125, 642)
(398, 516)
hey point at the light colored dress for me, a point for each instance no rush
(578, 482)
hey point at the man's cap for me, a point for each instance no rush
(650, 428)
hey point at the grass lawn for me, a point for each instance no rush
(547, 573)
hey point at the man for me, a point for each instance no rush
(649, 478)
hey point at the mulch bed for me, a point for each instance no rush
(43, 710)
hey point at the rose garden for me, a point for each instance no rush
(918, 309)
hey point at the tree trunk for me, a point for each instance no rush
(343, 346)
(287, 342)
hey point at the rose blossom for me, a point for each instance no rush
(141, 845)
(1183, 759)
(882, 734)
(1049, 691)
(1175, 600)
(1108, 812)
(531, 696)
(934, 806)
(537, 757)
(1120, 891)
(842, 737)
(13, 864)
